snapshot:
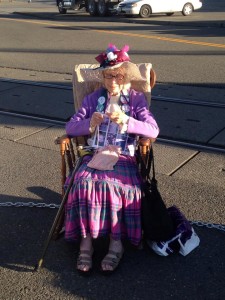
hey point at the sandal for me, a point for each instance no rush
(112, 259)
(85, 259)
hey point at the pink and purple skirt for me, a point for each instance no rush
(105, 202)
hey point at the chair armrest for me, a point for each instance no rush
(62, 139)
(144, 146)
(152, 78)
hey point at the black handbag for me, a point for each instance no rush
(157, 223)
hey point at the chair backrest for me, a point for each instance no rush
(81, 88)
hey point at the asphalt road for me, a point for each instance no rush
(41, 46)
(180, 54)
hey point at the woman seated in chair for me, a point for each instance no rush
(105, 198)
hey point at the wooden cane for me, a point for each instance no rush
(58, 215)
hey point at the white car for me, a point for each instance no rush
(144, 8)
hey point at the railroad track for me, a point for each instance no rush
(158, 98)
(61, 122)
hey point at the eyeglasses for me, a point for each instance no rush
(117, 76)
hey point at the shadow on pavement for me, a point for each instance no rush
(141, 275)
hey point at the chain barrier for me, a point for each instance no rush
(29, 204)
(208, 225)
(52, 205)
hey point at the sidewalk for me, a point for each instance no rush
(30, 172)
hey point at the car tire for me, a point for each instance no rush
(61, 9)
(145, 11)
(102, 8)
(92, 8)
(170, 14)
(187, 9)
(77, 6)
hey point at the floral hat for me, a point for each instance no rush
(113, 58)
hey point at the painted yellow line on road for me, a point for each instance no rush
(34, 22)
(153, 37)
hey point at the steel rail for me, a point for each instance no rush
(32, 117)
(195, 146)
(188, 101)
(34, 83)
(154, 97)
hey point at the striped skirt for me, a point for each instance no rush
(105, 202)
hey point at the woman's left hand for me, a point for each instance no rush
(117, 117)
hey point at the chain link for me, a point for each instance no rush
(29, 204)
(52, 205)
(208, 225)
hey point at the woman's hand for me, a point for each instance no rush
(96, 120)
(117, 117)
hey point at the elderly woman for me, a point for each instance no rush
(105, 198)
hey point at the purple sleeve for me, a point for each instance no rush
(80, 122)
(142, 121)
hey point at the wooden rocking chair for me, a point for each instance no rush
(70, 147)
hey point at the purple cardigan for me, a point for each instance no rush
(141, 121)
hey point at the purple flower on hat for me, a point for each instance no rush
(113, 56)
(111, 48)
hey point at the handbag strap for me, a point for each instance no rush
(150, 165)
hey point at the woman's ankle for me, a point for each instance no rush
(86, 243)
(115, 245)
